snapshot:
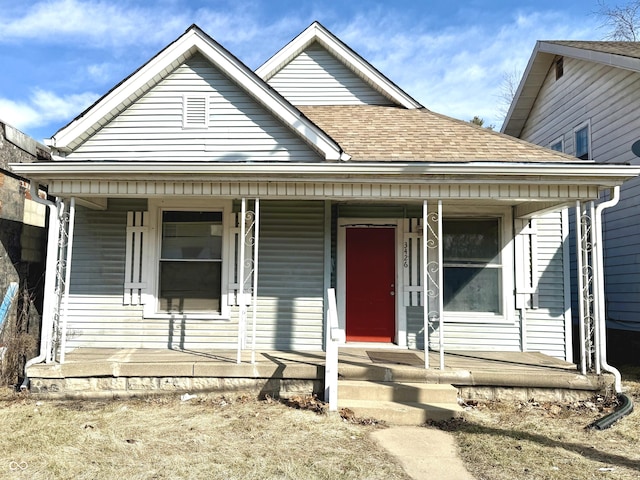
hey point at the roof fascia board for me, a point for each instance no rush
(193, 40)
(316, 32)
(612, 59)
(511, 126)
(532, 172)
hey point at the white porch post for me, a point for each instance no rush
(440, 285)
(425, 279)
(241, 300)
(50, 301)
(432, 278)
(582, 295)
(248, 274)
(61, 239)
(256, 239)
(67, 278)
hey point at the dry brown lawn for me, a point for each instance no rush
(242, 438)
(166, 438)
(530, 440)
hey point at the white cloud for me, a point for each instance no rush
(457, 70)
(453, 69)
(44, 107)
(92, 22)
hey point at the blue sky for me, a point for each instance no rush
(58, 56)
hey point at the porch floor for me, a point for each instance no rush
(476, 374)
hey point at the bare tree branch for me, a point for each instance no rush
(508, 89)
(621, 22)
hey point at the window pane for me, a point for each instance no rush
(469, 289)
(582, 143)
(191, 235)
(557, 147)
(190, 286)
(470, 241)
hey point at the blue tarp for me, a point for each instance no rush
(6, 303)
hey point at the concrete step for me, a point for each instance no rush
(395, 413)
(399, 403)
(397, 392)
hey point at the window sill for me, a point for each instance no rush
(188, 316)
(475, 317)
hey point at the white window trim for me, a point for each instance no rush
(505, 216)
(156, 206)
(559, 140)
(185, 123)
(586, 124)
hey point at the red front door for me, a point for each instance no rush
(370, 284)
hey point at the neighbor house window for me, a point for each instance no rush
(190, 264)
(582, 142)
(557, 145)
(559, 68)
(472, 265)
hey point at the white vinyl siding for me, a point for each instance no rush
(609, 97)
(236, 127)
(315, 77)
(545, 325)
(291, 286)
(291, 275)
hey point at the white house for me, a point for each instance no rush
(583, 98)
(204, 198)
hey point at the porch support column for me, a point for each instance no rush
(242, 319)
(425, 289)
(432, 277)
(248, 274)
(50, 301)
(586, 287)
(256, 238)
(61, 238)
(67, 278)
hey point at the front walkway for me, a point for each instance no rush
(99, 372)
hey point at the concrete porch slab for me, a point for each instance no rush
(477, 375)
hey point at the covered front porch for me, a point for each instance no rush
(110, 373)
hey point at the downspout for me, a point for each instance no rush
(626, 405)
(49, 283)
(598, 248)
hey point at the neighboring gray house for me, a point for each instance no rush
(22, 236)
(203, 196)
(583, 98)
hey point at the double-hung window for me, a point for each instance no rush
(473, 273)
(190, 262)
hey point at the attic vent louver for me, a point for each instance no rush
(195, 112)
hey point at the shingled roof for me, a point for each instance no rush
(627, 49)
(382, 133)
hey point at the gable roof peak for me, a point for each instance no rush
(193, 40)
(623, 55)
(316, 32)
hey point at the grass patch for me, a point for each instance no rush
(165, 438)
(531, 440)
